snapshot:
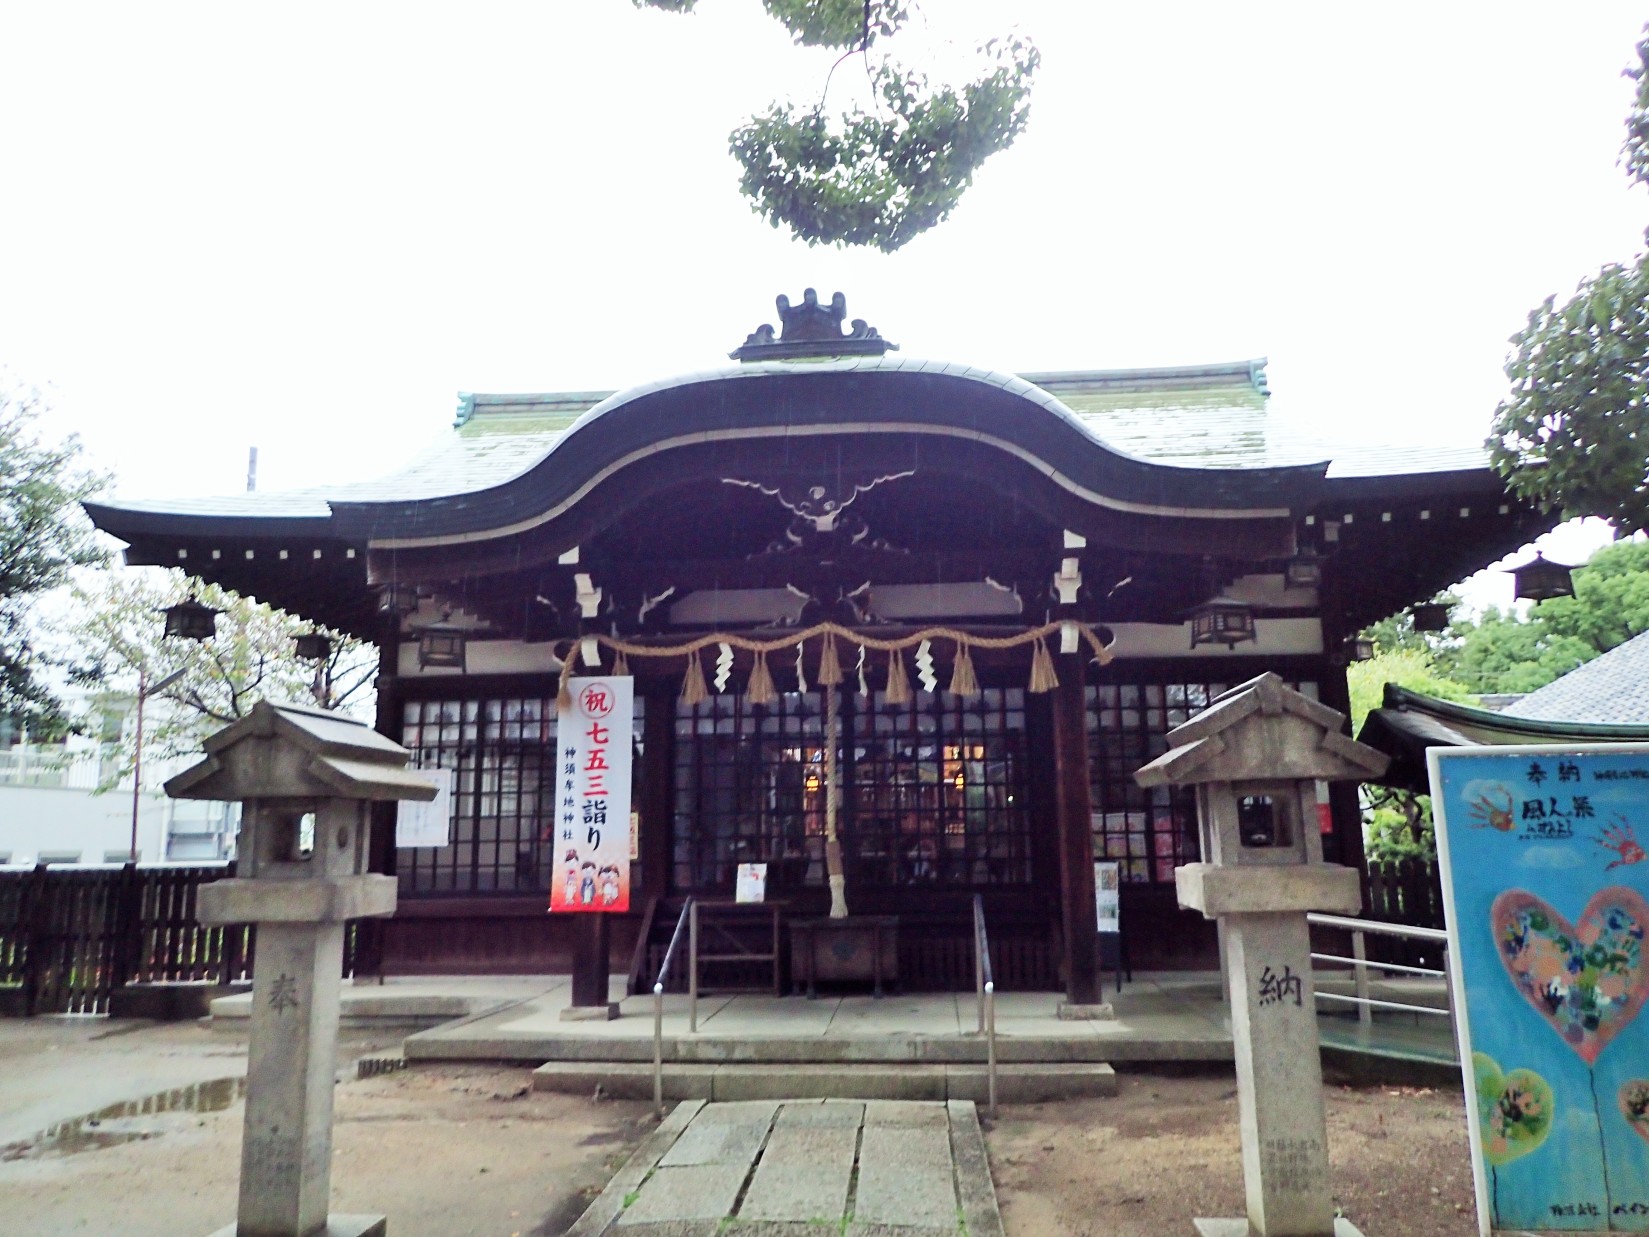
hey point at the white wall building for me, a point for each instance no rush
(51, 811)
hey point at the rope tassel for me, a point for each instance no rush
(621, 664)
(694, 690)
(963, 680)
(760, 689)
(898, 686)
(564, 691)
(830, 666)
(1043, 676)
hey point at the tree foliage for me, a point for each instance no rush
(44, 536)
(879, 177)
(118, 634)
(1396, 823)
(1573, 434)
(1502, 651)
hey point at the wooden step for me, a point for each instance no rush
(1015, 1083)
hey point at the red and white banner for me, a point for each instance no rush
(592, 814)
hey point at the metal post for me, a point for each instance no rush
(693, 968)
(658, 1049)
(979, 972)
(1448, 992)
(137, 757)
(990, 1045)
(1359, 950)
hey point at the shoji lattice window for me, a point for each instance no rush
(1150, 832)
(502, 755)
(933, 791)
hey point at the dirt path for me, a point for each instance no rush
(452, 1151)
(1165, 1150)
(444, 1153)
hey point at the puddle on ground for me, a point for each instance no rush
(129, 1121)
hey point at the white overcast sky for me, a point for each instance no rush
(306, 227)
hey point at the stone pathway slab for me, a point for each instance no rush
(704, 1192)
(794, 1168)
(804, 1174)
(905, 1176)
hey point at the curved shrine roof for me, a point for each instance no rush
(1144, 433)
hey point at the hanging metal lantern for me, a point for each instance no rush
(1304, 570)
(1429, 616)
(191, 620)
(441, 646)
(1542, 579)
(1222, 620)
(397, 599)
(1358, 648)
(312, 646)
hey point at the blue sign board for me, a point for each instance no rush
(1546, 887)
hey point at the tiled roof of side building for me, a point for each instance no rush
(1610, 689)
(1212, 416)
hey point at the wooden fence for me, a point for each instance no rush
(71, 936)
(1408, 892)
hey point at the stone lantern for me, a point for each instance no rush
(1255, 757)
(305, 779)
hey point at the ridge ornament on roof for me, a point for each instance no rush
(812, 330)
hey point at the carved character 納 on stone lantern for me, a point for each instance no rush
(1255, 757)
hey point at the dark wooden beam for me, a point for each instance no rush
(1075, 829)
(590, 964)
(658, 765)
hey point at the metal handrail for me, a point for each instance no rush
(1366, 1004)
(1379, 927)
(985, 985)
(658, 1011)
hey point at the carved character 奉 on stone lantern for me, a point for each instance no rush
(305, 778)
(1255, 757)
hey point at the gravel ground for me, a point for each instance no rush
(451, 1151)
(1165, 1150)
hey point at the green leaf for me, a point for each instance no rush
(883, 178)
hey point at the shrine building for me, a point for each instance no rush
(998, 592)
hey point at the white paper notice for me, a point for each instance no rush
(427, 824)
(751, 885)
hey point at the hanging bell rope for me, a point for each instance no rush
(830, 666)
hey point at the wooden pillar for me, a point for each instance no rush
(657, 790)
(371, 939)
(1344, 805)
(1075, 829)
(590, 968)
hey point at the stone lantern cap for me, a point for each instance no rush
(294, 751)
(1262, 730)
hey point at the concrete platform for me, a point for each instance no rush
(1032, 1083)
(1158, 1018)
(411, 1003)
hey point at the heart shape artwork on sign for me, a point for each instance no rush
(1514, 1110)
(1634, 1105)
(1588, 979)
